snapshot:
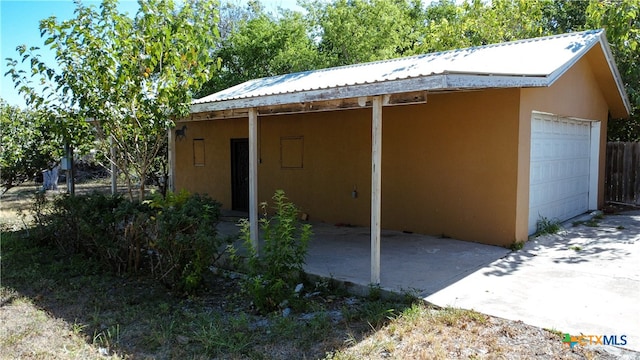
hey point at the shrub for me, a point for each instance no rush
(86, 225)
(274, 274)
(184, 238)
(173, 238)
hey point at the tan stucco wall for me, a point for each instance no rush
(214, 177)
(450, 169)
(576, 94)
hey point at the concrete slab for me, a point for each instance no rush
(585, 280)
(413, 263)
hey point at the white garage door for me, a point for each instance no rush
(561, 170)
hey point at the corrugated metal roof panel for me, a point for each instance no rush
(539, 57)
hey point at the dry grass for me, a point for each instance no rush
(28, 332)
(61, 307)
(422, 332)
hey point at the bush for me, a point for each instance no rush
(184, 238)
(273, 276)
(173, 238)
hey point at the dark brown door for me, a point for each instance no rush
(240, 174)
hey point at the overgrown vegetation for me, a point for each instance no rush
(172, 238)
(274, 271)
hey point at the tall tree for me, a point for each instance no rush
(130, 76)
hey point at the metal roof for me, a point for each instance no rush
(524, 63)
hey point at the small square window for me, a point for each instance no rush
(198, 152)
(291, 152)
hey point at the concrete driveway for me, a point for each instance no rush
(585, 280)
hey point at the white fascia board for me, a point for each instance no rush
(434, 82)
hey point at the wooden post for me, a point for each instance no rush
(376, 181)
(114, 168)
(253, 177)
(171, 148)
(71, 186)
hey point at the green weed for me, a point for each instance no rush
(516, 245)
(546, 226)
(274, 273)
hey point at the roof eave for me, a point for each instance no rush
(440, 82)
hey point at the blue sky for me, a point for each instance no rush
(19, 24)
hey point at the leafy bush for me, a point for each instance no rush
(184, 238)
(172, 238)
(274, 274)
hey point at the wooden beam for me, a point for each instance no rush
(407, 98)
(253, 177)
(376, 188)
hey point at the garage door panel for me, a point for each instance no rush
(559, 168)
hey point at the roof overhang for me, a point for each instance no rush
(398, 92)
(269, 97)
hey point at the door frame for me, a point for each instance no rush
(236, 198)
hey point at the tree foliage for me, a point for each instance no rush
(129, 76)
(261, 45)
(27, 147)
(358, 31)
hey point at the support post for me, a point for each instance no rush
(71, 186)
(114, 168)
(376, 181)
(253, 177)
(171, 159)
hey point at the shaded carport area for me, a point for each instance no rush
(414, 264)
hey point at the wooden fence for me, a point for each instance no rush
(622, 178)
